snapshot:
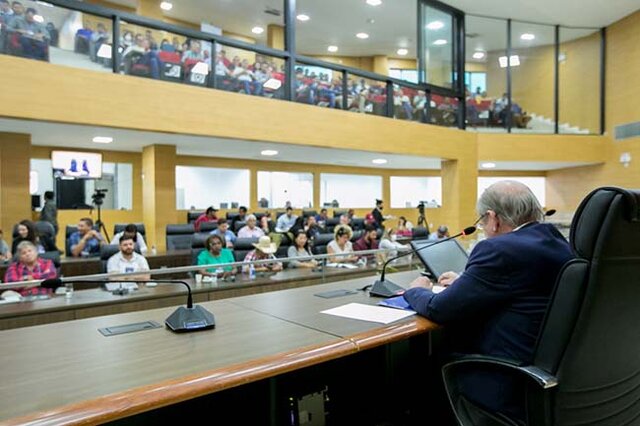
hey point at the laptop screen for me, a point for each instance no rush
(442, 257)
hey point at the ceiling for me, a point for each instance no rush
(79, 137)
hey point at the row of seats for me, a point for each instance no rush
(230, 216)
(70, 229)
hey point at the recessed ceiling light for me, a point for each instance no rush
(332, 48)
(440, 42)
(488, 165)
(362, 36)
(478, 55)
(38, 18)
(379, 161)
(527, 36)
(103, 139)
(435, 25)
(302, 17)
(269, 152)
(257, 30)
(165, 5)
(374, 2)
(402, 51)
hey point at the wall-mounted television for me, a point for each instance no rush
(75, 164)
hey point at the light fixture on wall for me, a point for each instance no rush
(165, 5)
(625, 159)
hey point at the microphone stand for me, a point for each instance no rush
(384, 288)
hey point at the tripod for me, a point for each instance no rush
(99, 223)
(422, 218)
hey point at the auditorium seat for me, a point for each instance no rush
(193, 215)
(307, 213)
(45, 228)
(331, 223)
(338, 213)
(320, 243)
(419, 233)
(119, 227)
(242, 246)
(179, 237)
(207, 227)
(237, 225)
(357, 224)
(108, 250)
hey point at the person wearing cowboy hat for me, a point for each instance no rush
(264, 249)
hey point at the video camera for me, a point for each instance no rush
(98, 196)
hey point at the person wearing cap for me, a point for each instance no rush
(442, 232)
(341, 244)
(264, 249)
(208, 216)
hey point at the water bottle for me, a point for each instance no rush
(252, 272)
(154, 251)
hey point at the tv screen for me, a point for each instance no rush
(72, 164)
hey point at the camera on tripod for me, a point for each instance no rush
(98, 196)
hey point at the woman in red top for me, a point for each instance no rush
(402, 230)
(30, 267)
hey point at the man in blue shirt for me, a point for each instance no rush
(223, 231)
(497, 305)
(286, 221)
(86, 241)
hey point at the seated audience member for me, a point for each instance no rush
(368, 241)
(127, 260)
(264, 250)
(34, 37)
(241, 217)
(28, 267)
(388, 242)
(352, 214)
(5, 254)
(442, 232)
(403, 229)
(223, 231)
(322, 218)
(86, 241)
(250, 230)
(208, 216)
(300, 249)
(341, 245)
(131, 230)
(267, 224)
(27, 232)
(215, 254)
(194, 52)
(298, 225)
(345, 220)
(98, 38)
(286, 221)
(311, 228)
(496, 307)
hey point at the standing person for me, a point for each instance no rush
(377, 213)
(497, 305)
(49, 212)
(213, 254)
(208, 216)
(127, 260)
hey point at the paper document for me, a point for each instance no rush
(437, 288)
(369, 313)
(342, 265)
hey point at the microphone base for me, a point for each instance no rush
(385, 289)
(184, 320)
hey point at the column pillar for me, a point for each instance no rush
(459, 193)
(149, 9)
(253, 190)
(275, 36)
(15, 199)
(317, 202)
(158, 192)
(381, 64)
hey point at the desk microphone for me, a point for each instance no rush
(191, 318)
(382, 288)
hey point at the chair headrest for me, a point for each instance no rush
(592, 212)
(244, 243)
(180, 229)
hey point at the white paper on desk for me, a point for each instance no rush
(369, 313)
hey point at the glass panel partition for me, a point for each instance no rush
(366, 95)
(409, 191)
(281, 189)
(318, 86)
(193, 188)
(357, 191)
(409, 103)
(443, 110)
(438, 43)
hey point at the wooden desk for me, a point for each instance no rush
(86, 378)
(95, 301)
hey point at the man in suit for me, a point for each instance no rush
(377, 214)
(496, 306)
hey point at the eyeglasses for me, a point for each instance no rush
(478, 223)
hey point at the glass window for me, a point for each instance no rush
(409, 191)
(243, 71)
(41, 31)
(195, 187)
(409, 103)
(370, 36)
(318, 86)
(410, 75)
(117, 179)
(532, 77)
(279, 189)
(357, 191)
(366, 95)
(485, 78)
(443, 111)
(438, 41)
(537, 184)
(579, 103)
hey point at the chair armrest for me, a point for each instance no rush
(540, 376)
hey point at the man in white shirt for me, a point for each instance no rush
(250, 230)
(286, 221)
(127, 260)
(131, 229)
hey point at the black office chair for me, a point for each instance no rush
(242, 246)
(331, 223)
(357, 224)
(179, 237)
(119, 227)
(338, 213)
(320, 243)
(237, 225)
(586, 367)
(419, 233)
(108, 250)
(307, 213)
(207, 227)
(193, 215)
(45, 228)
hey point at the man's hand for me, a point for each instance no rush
(421, 282)
(447, 278)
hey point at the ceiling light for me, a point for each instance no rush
(165, 5)
(488, 165)
(103, 139)
(38, 18)
(374, 2)
(402, 51)
(332, 48)
(362, 36)
(379, 161)
(440, 42)
(515, 61)
(478, 55)
(269, 152)
(527, 36)
(302, 17)
(257, 30)
(435, 25)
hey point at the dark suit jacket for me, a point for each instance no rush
(497, 305)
